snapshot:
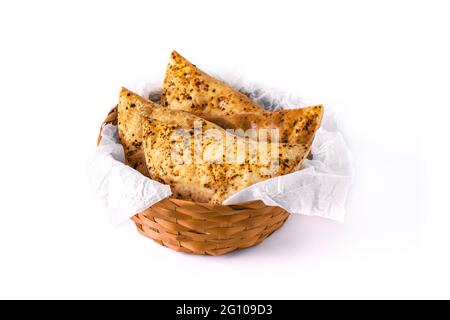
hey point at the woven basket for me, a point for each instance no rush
(203, 228)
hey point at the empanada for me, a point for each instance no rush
(205, 166)
(188, 88)
(130, 119)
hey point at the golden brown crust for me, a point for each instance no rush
(188, 88)
(296, 126)
(213, 178)
(130, 119)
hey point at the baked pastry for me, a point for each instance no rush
(130, 119)
(188, 88)
(210, 165)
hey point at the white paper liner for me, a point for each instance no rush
(123, 190)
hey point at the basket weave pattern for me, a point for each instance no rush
(203, 228)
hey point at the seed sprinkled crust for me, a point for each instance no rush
(195, 91)
(212, 179)
(130, 118)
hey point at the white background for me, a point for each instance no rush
(383, 65)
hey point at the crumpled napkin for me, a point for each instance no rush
(320, 188)
(123, 190)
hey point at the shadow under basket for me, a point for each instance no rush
(203, 228)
